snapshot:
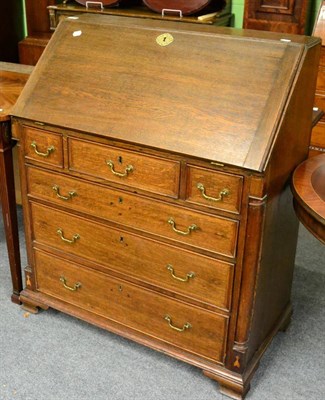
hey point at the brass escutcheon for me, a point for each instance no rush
(164, 39)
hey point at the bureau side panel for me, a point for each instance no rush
(274, 278)
(280, 231)
(291, 144)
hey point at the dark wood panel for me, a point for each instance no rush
(31, 49)
(37, 16)
(11, 29)
(287, 16)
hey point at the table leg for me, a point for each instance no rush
(9, 212)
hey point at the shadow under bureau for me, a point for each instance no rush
(155, 165)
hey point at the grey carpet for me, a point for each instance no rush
(51, 356)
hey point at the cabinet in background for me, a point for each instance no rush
(43, 17)
(38, 31)
(287, 16)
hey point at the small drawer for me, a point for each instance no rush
(214, 189)
(181, 225)
(127, 168)
(43, 147)
(187, 327)
(189, 274)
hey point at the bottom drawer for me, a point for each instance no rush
(190, 328)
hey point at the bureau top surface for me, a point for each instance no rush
(212, 93)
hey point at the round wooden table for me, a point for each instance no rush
(308, 187)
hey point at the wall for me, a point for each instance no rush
(238, 11)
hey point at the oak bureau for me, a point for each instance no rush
(155, 165)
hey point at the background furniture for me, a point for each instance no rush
(12, 79)
(38, 28)
(43, 17)
(158, 205)
(288, 16)
(308, 184)
(317, 142)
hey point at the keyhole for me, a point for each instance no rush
(165, 37)
(121, 239)
(120, 159)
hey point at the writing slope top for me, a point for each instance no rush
(216, 94)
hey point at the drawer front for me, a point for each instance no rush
(194, 276)
(200, 332)
(200, 230)
(43, 147)
(214, 189)
(125, 167)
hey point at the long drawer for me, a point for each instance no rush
(197, 229)
(194, 276)
(187, 327)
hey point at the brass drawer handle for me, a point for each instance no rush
(128, 169)
(75, 237)
(188, 276)
(76, 286)
(48, 152)
(222, 194)
(191, 228)
(187, 325)
(56, 189)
